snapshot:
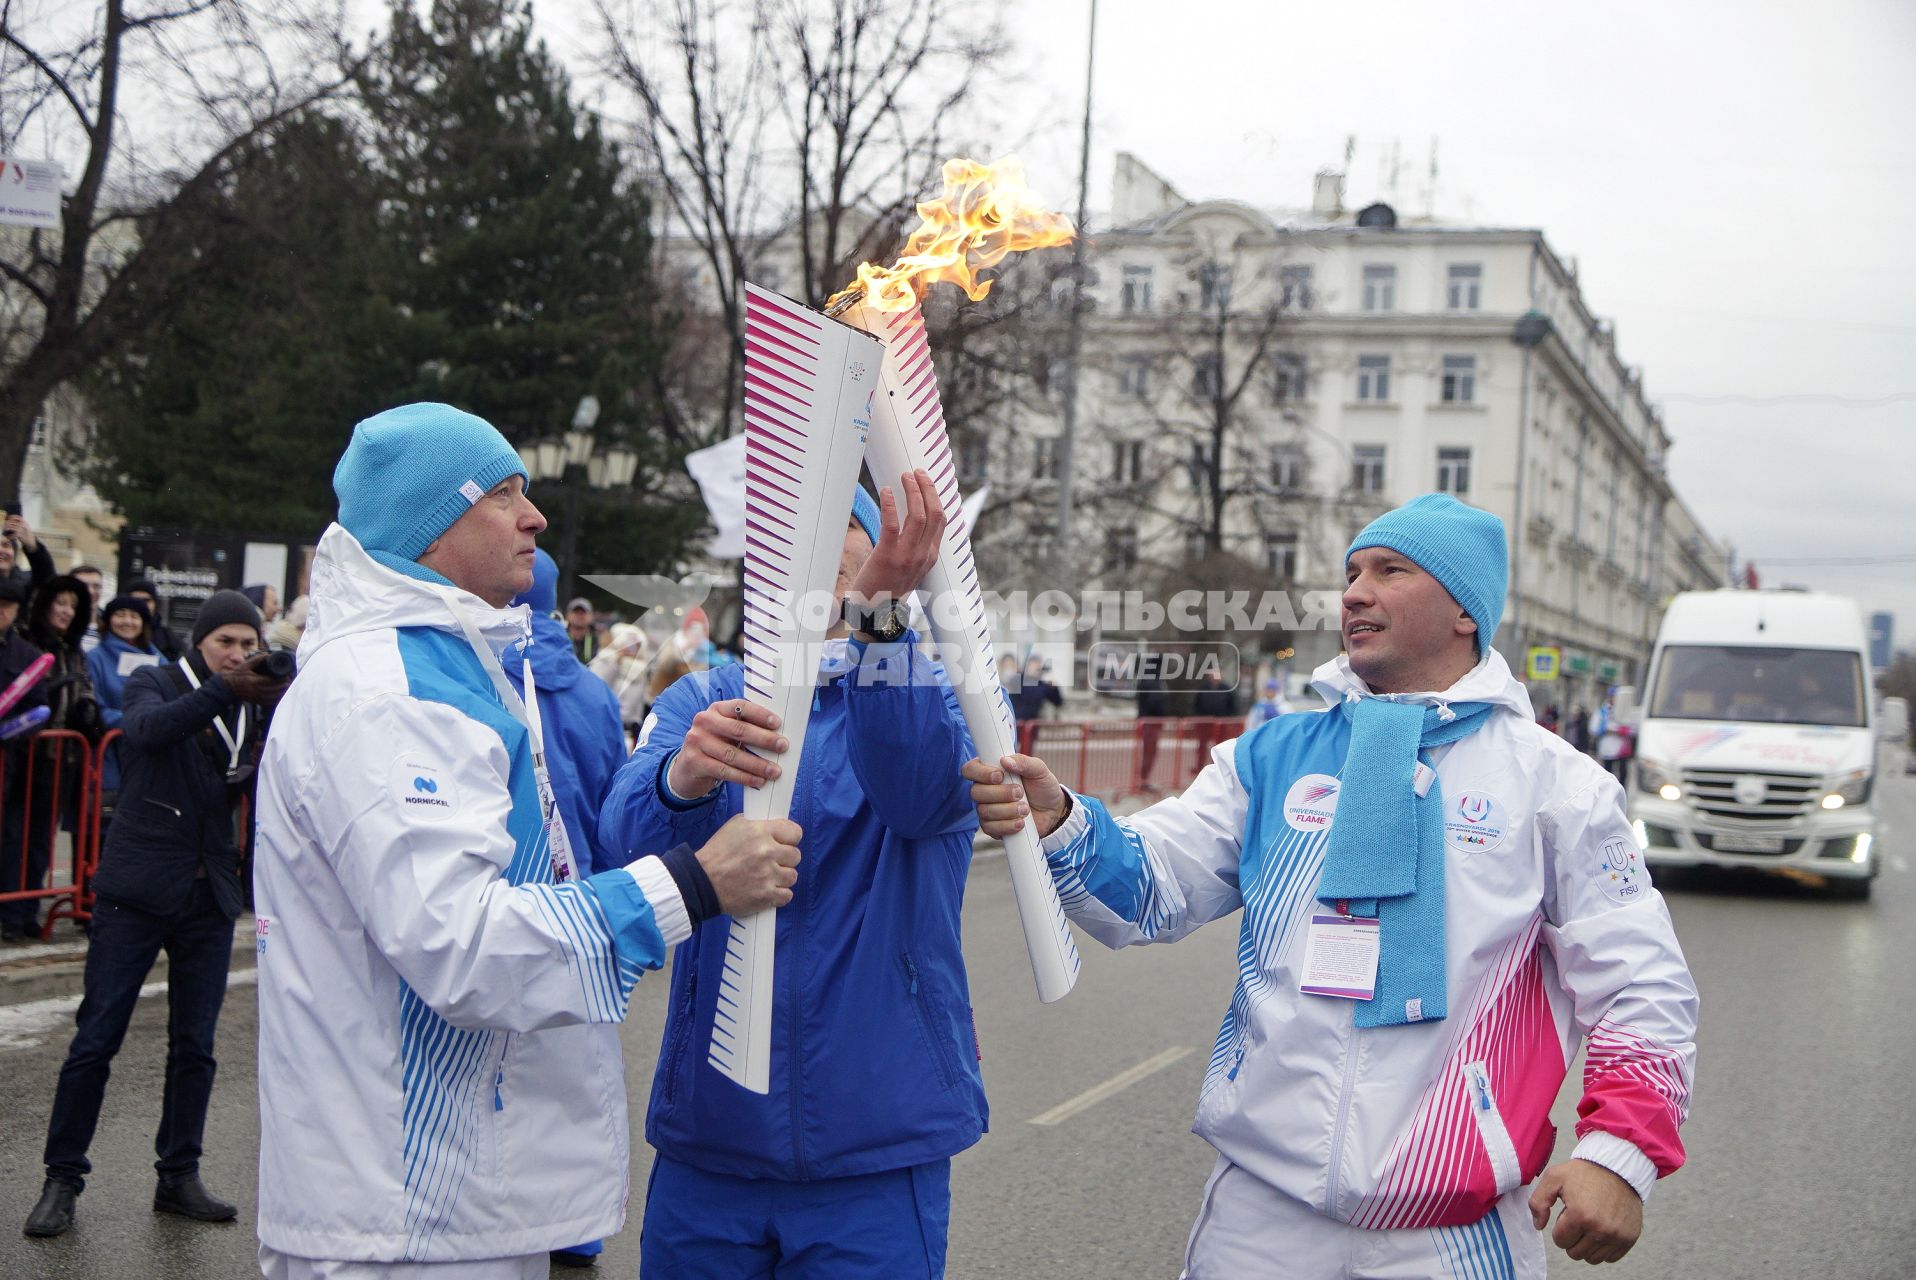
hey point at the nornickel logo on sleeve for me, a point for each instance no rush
(420, 790)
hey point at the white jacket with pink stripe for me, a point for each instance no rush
(1554, 935)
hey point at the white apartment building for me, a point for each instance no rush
(1366, 358)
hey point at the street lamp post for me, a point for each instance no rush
(571, 460)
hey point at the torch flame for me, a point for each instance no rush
(986, 214)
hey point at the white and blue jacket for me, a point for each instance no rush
(1554, 936)
(439, 1067)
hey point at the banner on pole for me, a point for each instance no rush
(29, 192)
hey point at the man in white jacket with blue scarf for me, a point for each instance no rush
(1439, 901)
(441, 1088)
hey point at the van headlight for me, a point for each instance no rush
(1851, 788)
(1654, 779)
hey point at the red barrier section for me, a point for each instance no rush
(50, 783)
(1111, 759)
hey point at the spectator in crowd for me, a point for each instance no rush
(265, 598)
(166, 882)
(163, 638)
(1214, 699)
(18, 920)
(584, 746)
(842, 1171)
(95, 584)
(1271, 704)
(1035, 691)
(17, 539)
(623, 665)
(126, 647)
(286, 631)
(666, 671)
(56, 620)
(1153, 705)
(580, 630)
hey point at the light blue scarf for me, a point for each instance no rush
(1385, 857)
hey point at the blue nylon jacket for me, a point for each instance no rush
(874, 1057)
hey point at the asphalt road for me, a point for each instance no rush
(1799, 1143)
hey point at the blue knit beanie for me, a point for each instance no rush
(1458, 545)
(410, 472)
(865, 511)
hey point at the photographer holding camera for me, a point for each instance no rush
(168, 878)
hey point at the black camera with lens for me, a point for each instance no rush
(279, 665)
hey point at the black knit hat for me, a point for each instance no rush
(223, 608)
(133, 603)
(13, 588)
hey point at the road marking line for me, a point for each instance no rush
(22, 1026)
(1116, 1084)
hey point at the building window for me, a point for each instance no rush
(1134, 295)
(1373, 379)
(1465, 289)
(1367, 468)
(1207, 380)
(974, 461)
(1280, 556)
(1460, 379)
(1287, 468)
(1453, 472)
(1121, 549)
(1294, 292)
(1214, 287)
(1134, 376)
(1380, 288)
(1289, 377)
(1127, 461)
(1044, 458)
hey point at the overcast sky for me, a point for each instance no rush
(1735, 179)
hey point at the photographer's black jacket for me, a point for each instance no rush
(175, 812)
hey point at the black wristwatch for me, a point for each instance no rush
(885, 622)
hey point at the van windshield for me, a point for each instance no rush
(1766, 686)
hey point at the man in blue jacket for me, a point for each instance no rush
(843, 1169)
(584, 746)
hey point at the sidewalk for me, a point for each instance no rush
(49, 970)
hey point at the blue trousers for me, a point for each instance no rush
(877, 1226)
(122, 945)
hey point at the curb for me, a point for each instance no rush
(52, 969)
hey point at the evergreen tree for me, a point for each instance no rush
(230, 417)
(527, 260)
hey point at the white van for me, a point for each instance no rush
(1757, 742)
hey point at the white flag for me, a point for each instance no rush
(720, 472)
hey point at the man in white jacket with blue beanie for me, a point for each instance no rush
(1439, 901)
(441, 1087)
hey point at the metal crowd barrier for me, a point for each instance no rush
(51, 783)
(1112, 759)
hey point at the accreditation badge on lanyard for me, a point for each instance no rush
(557, 841)
(235, 742)
(526, 712)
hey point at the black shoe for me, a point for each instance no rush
(54, 1214)
(191, 1199)
(575, 1261)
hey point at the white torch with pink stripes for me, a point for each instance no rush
(908, 434)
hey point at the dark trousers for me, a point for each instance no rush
(123, 944)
